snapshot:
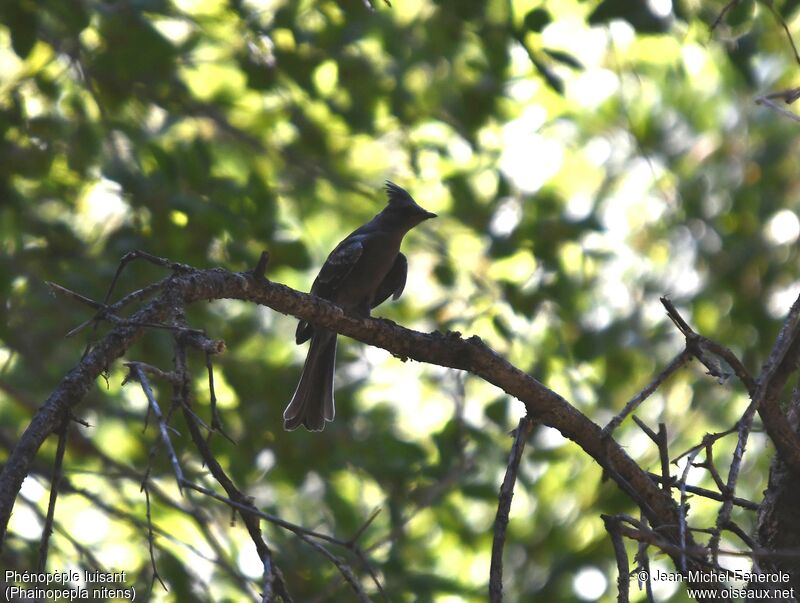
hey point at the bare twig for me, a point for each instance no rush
(82, 550)
(105, 312)
(675, 317)
(743, 536)
(343, 568)
(301, 532)
(182, 393)
(128, 257)
(76, 296)
(267, 596)
(683, 510)
(365, 525)
(704, 492)
(642, 534)
(137, 254)
(362, 557)
(216, 422)
(122, 470)
(703, 344)
(198, 339)
(782, 22)
(503, 508)
(138, 375)
(722, 13)
(651, 387)
(764, 100)
(706, 350)
(647, 431)
(724, 515)
(663, 453)
(643, 561)
(662, 443)
(708, 438)
(763, 394)
(261, 267)
(150, 540)
(247, 508)
(709, 465)
(787, 96)
(149, 369)
(55, 483)
(137, 295)
(623, 569)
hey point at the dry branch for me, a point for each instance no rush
(504, 507)
(188, 286)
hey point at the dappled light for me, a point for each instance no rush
(584, 159)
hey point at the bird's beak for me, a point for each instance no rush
(427, 215)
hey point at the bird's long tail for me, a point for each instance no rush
(312, 402)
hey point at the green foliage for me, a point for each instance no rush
(584, 158)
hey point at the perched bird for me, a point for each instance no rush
(359, 274)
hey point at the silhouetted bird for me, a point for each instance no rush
(359, 274)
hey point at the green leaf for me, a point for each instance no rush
(537, 19)
(638, 14)
(550, 77)
(70, 17)
(563, 57)
(23, 21)
(741, 13)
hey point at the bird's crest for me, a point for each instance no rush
(398, 196)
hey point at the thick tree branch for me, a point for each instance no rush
(444, 349)
(782, 362)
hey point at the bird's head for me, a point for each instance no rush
(403, 205)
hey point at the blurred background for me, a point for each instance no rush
(584, 158)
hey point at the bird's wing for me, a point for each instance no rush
(338, 265)
(394, 282)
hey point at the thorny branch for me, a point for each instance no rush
(763, 393)
(444, 349)
(763, 399)
(187, 285)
